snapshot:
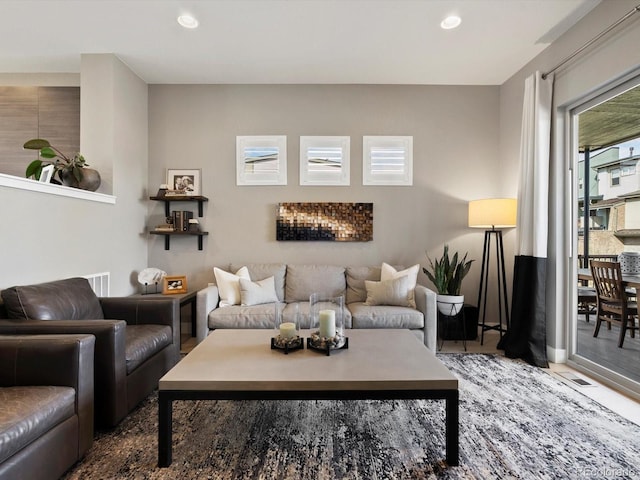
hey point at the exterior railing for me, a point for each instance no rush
(584, 262)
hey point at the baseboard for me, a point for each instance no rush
(557, 355)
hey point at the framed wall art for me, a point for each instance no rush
(184, 182)
(324, 160)
(261, 160)
(387, 160)
(324, 221)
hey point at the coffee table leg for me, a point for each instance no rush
(165, 420)
(452, 427)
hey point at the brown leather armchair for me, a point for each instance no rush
(46, 418)
(137, 338)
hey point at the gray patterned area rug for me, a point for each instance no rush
(516, 421)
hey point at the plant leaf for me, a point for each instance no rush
(36, 144)
(47, 152)
(34, 169)
(447, 273)
(77, 173)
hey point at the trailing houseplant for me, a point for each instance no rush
(71, 171)
(447, 275)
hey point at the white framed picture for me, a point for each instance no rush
(324, 160)
(387, 160)
(47, 174)
(261, 160)
(184, 181)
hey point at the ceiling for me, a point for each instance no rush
(288, 41)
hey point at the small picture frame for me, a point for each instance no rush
(47, 174)
(184, 182)
(174, 284)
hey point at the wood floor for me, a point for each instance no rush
(604, 350)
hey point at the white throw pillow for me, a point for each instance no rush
(388, 272)
(229, 285)
(388, 292)
(256, 293)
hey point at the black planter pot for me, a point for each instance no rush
(90, 179)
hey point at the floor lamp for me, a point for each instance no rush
(493, 214)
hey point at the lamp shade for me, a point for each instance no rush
(493, 213)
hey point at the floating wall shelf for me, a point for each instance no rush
(167, 211)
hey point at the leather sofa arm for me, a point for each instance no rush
(206, 301)
(144, 311)
(110, 364)
(60, 360)
(426, 303)
(141, 310)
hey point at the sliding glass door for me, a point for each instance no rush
(607, 197)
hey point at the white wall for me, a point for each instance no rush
(612, 58)
(46, 237)
(455, 132)
(632, 214)
(628, 183)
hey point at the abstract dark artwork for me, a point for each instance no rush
(330, 222)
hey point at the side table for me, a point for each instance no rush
(188, 298)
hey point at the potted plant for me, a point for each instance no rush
(72, 172)
(447, 274)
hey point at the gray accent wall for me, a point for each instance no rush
(455, 149)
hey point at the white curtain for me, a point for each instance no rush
(535, 145)
(526, 336)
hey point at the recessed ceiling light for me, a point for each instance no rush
(187, 21)
(452, 21)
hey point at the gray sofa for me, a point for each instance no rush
(295, 283)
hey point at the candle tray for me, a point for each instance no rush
(326, 345)
(287, 344)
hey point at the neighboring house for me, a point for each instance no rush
(608, 155)
(614, 202)
(618, 178)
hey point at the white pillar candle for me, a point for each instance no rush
(327, 320)
(288, 330)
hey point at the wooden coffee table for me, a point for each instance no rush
(240, 365)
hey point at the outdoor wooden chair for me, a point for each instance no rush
(587, 299)
(613, 305)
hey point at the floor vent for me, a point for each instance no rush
(99, 283)
(572, 377)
